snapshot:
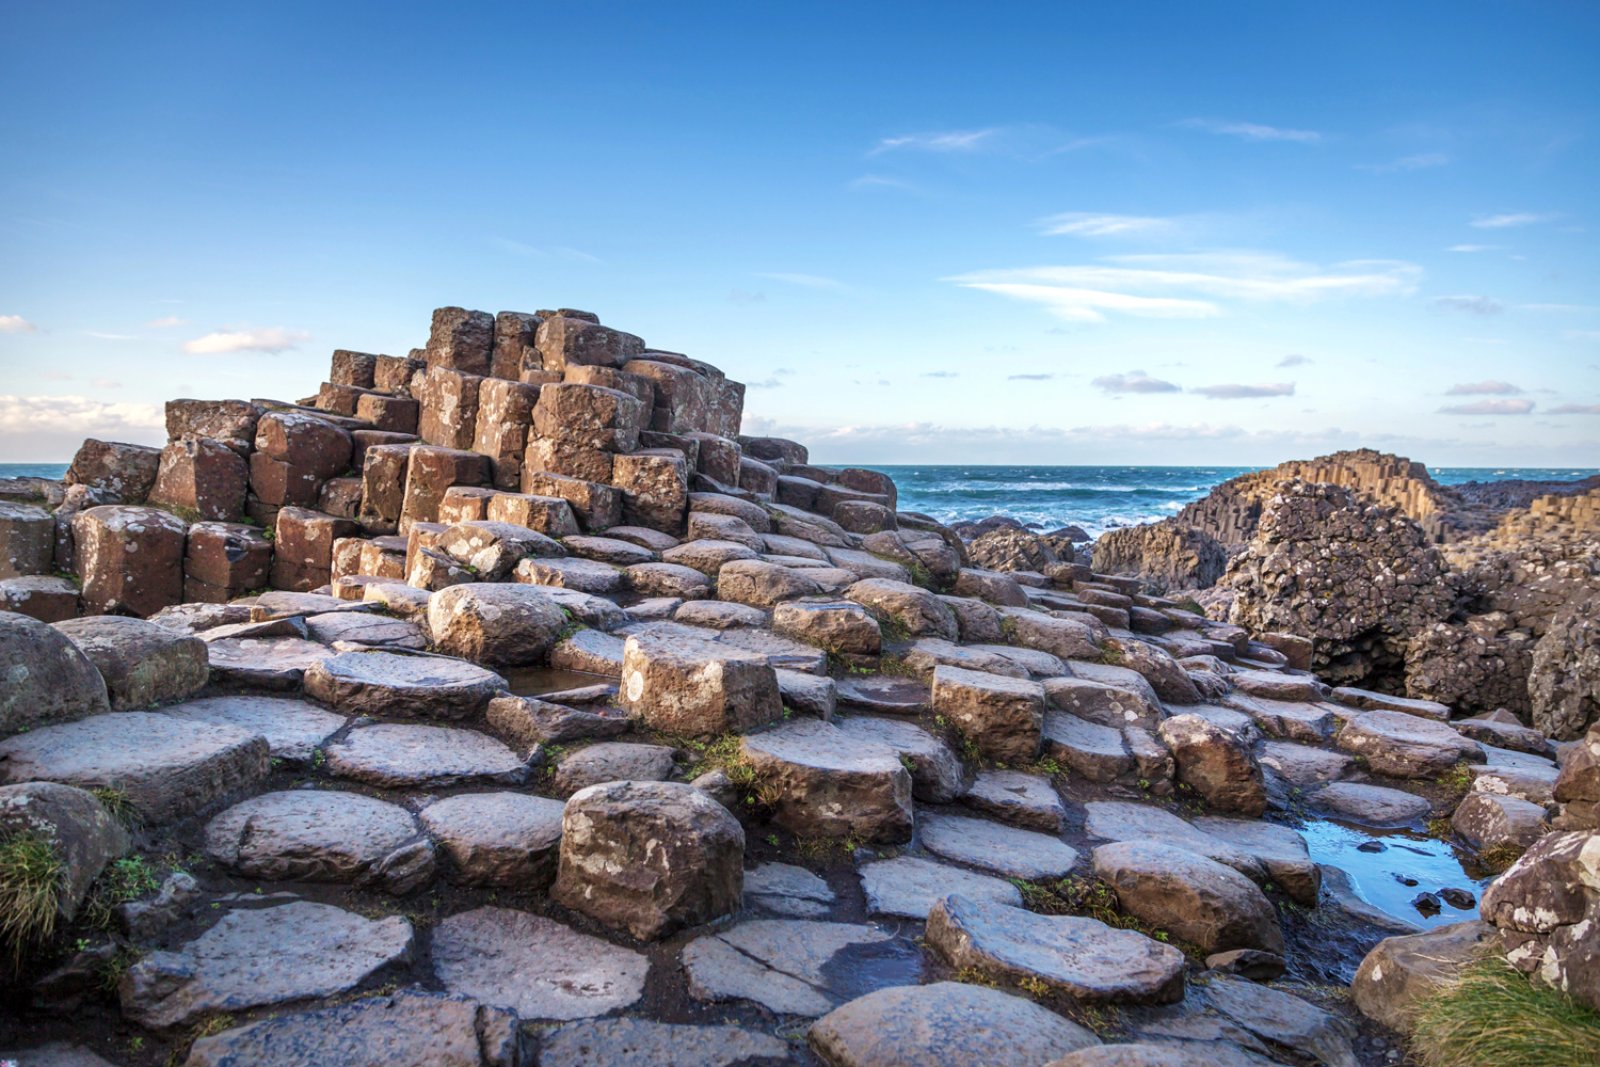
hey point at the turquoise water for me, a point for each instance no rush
(1096, 498)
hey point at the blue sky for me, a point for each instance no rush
(1064, 233)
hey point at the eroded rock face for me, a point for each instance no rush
(130, 559)
(650, 857)
(1405, 746)
(1215, 763)
(1401, 971)
(1357, 579)
(1003, 717)
(1166, 556)
(1011, 549)
(1547, 907)
(1564, 682)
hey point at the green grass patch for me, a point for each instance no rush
(30, 893)
(117, 803)
(1457, 779)
(1493, 1016)
(123, 880)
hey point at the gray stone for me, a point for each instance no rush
(1486, 821)
(276, 663)
(253, 958)
(906, 607)
(396, 756)
(1283, 1020)
(166, 767)
(787, 890)
(1279, 849)
(498, 625)
(55, 1054)
(1004, 850)
(1216, 763)
(808, 694)
(1026, 800)
(641, 1041)
(1081, 957)
(697, 688)
(394, 684)
(1401, 971)
(47, 677)
(406, 1029)
(888, 694)
(791, 966)
(1304, 766)
(355, 627)
(1406, 746)
(948, 1023)
(909, 887)
(497, 839)
(612, 761)
(294, 729)
(825, 783)
(315, 835)
(1116, 820)
(1095, 752)
(583, 575)
(1002, 716)
(937, 774)
(1108, 705)
(534, 966)
(1369, 805)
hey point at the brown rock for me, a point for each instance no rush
(27, 540)
(130, 559)
(1003, 717)
(563, 341)
(233, 422)
(430, 473)
(461, 340)
(1215, 763)
(505, 419)
(699, 689)
(125, 471)
(448, 399)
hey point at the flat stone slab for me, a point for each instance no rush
(937, 774)
(322, 835)
(1094, 751)
(294, 729)
(362, 628)
(1083, 958)
(277, 663)
(612, 761)
(409, 1027)
(909, 887)
(794, 967)
(497, 839)
(1025, 800)
(1117, 820)
(398, 756)
(1005, 850)
(888, 694)
(1367, 700)
(640, 1041)
(785, 889)
(826, 783)
(390, 684)
(278, 603)
(535, 966)
(951, 1024)
(54, 1054)
(1281, 850)
(1303, 765)
(167, 767)
(1405, 746)
(1369, 805)
(252, 958)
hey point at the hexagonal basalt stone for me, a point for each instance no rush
(698, 688)
(497, 839)
(142, 663)
(398, 756)
(822, 782)
(390, 683)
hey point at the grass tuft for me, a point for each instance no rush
(117, 803)
(123, 880)
(30, 893)
(1493, 1015)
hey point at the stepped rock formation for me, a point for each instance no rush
(512, 688)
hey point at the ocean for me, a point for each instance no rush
(1095, 498)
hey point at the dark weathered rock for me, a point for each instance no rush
(649, 857)
(1405, 746)
(1564, 676)
(48, 678)
(389, 683)
(824, 783)
(130, 559)
(142, 663)
(1216, 763)
(202, 476)
(497, 839)
(911, 610)
(1546, 907)
(397, 756)
(793, 967)
(27, 540)
(499, 625)
(294, 729)
(125, 471)
(697, 688)
(1400, 972)
(1002, 716)
(612, 761)
(1195, 898)
(83, 836)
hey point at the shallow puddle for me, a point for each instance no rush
(540, 681)
(1394, 868)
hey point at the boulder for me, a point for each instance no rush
(759, 584)
(906, 608)
(1216, 763)
(1402, 971)
(1193, 897)
(937, 774)
(124, 471)
(204, 477)
(649, 857)
(822, 782)
(498, 625)
(1369, 805)
(1171, 683)
(142, 663)
(1487, 821)
(1021, 799)
(697, 688)
(83, 836)
(27, 540)
(1546, 907)
(1003, 717)
(48, 678)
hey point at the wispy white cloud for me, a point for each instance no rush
(938, 141)
(1186, 285)
(1472, 305)
(1245, 392)
(1419, 161)
(806, 281)
(1509, 219)
(267, 339)
(1294, 360)
(1133, 382)
(1089, 224)
(80, 414)
(16, 324)
(1485, 388)
(879, 181)
(164, 322)
(1254, 131)
(1489, 407)
(110, 336)
(1029, 377)
(1574, 409)
(1474, 248)
(940, 374)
